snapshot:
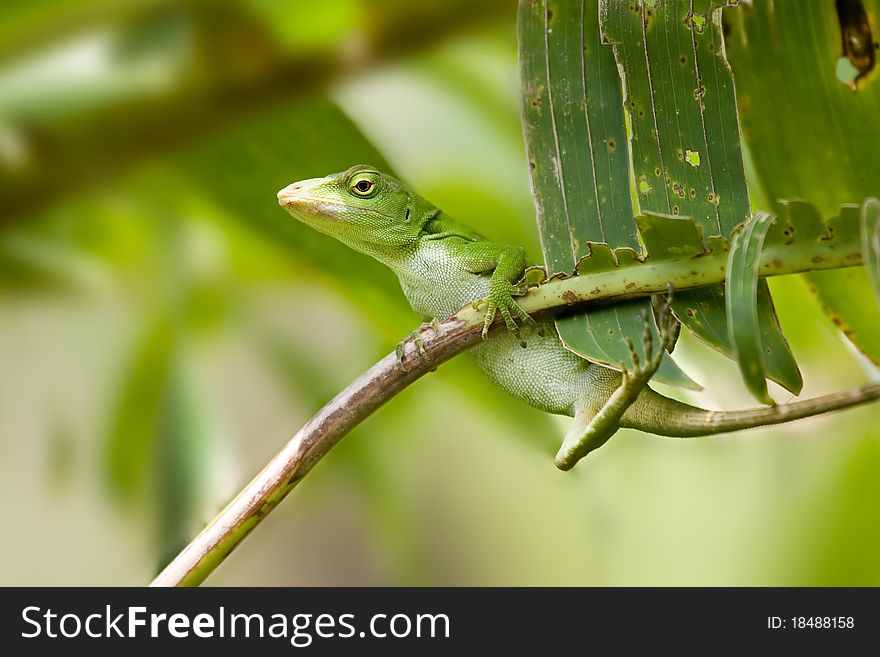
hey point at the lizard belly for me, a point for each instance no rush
(544, 374)
(437, 287)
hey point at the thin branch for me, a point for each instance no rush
(384, 380)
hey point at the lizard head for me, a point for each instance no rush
(367, 210)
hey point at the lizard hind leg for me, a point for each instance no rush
(591, 429)
(585, 433)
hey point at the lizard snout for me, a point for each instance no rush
(289, 194)
(299, 191)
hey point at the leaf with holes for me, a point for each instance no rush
(576, 135)
(685, 140)
(808, 89)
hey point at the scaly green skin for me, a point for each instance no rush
(443, 265)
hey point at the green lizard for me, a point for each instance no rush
(443, 265)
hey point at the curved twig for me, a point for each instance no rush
(384, 380)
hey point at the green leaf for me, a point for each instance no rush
(186, 429)
(158, 436)
(743, 320)
(579, 160)
(870, 228)
(842, 294)
(686, 154)
(812, 135)
(136, 418)
(680, 99)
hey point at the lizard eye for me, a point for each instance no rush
(363, 187)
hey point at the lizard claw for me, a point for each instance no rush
(501, 301)
(416, 336)
(398, 352)
(640, 372)
(489, 318)
(667, 323)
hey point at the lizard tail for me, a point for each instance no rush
(660, 415)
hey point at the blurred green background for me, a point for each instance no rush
(165, 327)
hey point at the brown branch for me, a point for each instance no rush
(384, 380)
(344, 412)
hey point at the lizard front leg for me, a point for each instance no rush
(590, 430)
(507, 264)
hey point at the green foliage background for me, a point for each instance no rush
(165, 327)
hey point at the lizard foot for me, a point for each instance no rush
(637, 376)
(667, 324)
(416, 336)
(501, 301)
